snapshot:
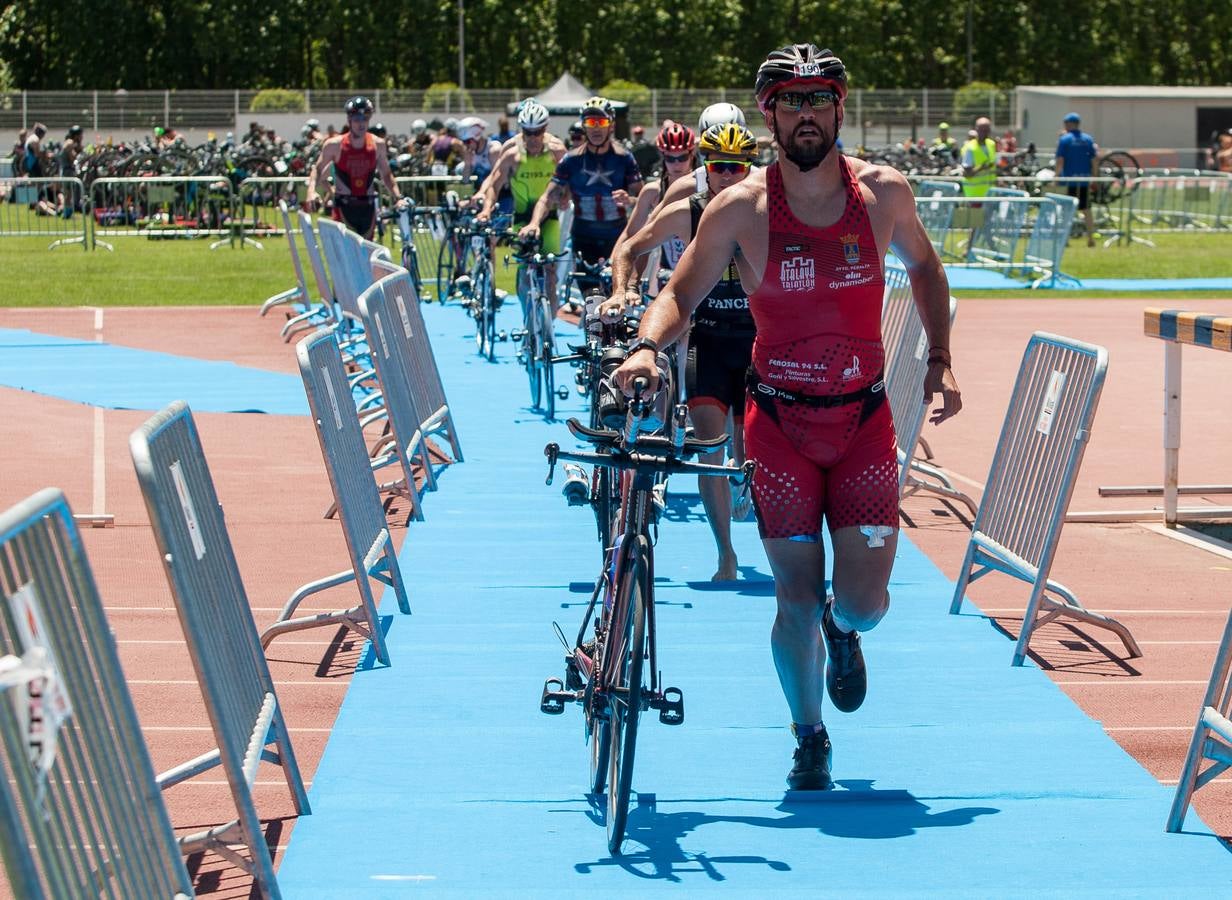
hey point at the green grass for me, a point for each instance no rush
(144, 272)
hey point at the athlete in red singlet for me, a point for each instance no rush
(810, 234)
(356, 156)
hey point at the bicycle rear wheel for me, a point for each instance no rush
(625, 695)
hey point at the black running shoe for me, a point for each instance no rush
(846, 676)
(811, 771)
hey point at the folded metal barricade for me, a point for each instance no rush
(1031, 480)
(165, 206)
(410, 385)
(44, 208)
(359, 505)
(213, 609)
(80, 811)
(1212, 736)
(906, 364)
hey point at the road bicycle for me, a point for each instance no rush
(453, 257)
(406, 216)
(537, 336)
(477, 288)
(614, 675)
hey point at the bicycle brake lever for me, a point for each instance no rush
(550, 451)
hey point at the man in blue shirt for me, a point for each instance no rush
(1076, 162)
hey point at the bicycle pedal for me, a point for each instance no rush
(517, 333)
(562, 393)
(551, 702)
(502, 336)
(671, 708)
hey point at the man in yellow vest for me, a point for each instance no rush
(979, 160)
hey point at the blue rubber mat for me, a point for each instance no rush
(964, 279)
(116, 377)
(960, 776)
(1149, 284)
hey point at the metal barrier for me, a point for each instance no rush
(1029, 485)
(348, 277)
(222, 639)
(44, 208)
(300, 290)
(937, 218)
(1169, 200)
(359, 505)
(80, 812)
(1050, 233)
(423, 374)
(410, 385)
(1176, 327)
(165, 206)
(319, 274)
(257, 200)
(1007, 231)
(1212, 737)
(906, 364)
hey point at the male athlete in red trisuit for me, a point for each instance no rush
(810, 235)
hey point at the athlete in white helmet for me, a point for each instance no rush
(523, 170)
(720, 114)
(714, 114)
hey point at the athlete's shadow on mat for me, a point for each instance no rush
(856, 812)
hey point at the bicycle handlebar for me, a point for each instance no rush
(671, 465)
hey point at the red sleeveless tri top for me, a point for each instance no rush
(356, 166)
(818, 307)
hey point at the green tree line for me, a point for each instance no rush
(182, 44)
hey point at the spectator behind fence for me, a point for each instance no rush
(943, 143)
(1223, 156)
(32, 153)
(1077, 155)
(19, 153)
(979, 160)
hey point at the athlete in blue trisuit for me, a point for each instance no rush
(602, 176)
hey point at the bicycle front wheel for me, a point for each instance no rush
(410, 262)
(625, 693)
(446, 262)
(547, 349)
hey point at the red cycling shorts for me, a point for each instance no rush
(813, 463)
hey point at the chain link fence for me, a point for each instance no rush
(873, 117)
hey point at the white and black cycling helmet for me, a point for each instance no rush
(359, 106)
(313, 124)
(451, 126)
(720, 114)
(533, 115)
(419, 126)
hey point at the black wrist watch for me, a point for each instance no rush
(643, 343)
